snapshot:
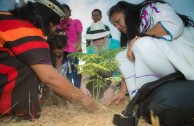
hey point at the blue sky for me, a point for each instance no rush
(81, 9)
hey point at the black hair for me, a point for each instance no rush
(133, 11)
(38, 14)
(98, 10)
(65, 6)
(56, 42)
(123, 40)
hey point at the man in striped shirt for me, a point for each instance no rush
(25, 61)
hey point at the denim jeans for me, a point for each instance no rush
(72, 74)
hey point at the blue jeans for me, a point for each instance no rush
(72, 75)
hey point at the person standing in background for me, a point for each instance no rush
(96, 16)
(73, 28)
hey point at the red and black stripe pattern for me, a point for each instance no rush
(21, 45)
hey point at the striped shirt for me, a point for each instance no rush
(21, 45)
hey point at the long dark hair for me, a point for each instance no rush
(38, 14)
(132, 12)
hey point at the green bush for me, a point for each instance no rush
(99, 67)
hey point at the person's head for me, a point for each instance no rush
(126, 16)
(98, 34)
(96, 15)
(67, 11)
(41, 13)
(57, 43)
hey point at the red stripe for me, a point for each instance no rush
(28, 46)
(33, 113)
(7, 50)
(14, 24)
(5, 100)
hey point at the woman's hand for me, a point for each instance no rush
(117, 98)
(88, 103)
(108, 94)
(120, 96)
(129, 51)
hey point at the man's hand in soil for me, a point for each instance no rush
(88, 103)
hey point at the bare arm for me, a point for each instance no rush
(61, 85)
(123, 88)
(120, 95)
(83, 85)
(79, 34)
(157, 31)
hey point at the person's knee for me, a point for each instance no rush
(143, 46)
(121, 55)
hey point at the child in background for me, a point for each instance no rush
(57, 44)
(73, 28)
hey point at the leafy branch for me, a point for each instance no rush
(99, 67)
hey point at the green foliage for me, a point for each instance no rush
(99, 67)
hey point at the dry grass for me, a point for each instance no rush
(67, 114)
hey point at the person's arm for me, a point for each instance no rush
(109, 92)
(83, 85)
(157, 31)
(120, 95)
(79, 30)
(79, 46)
(79, 34)
(61, 85)
(168, 25)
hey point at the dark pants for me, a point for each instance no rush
(72, 75)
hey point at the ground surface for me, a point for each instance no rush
(72, 115)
